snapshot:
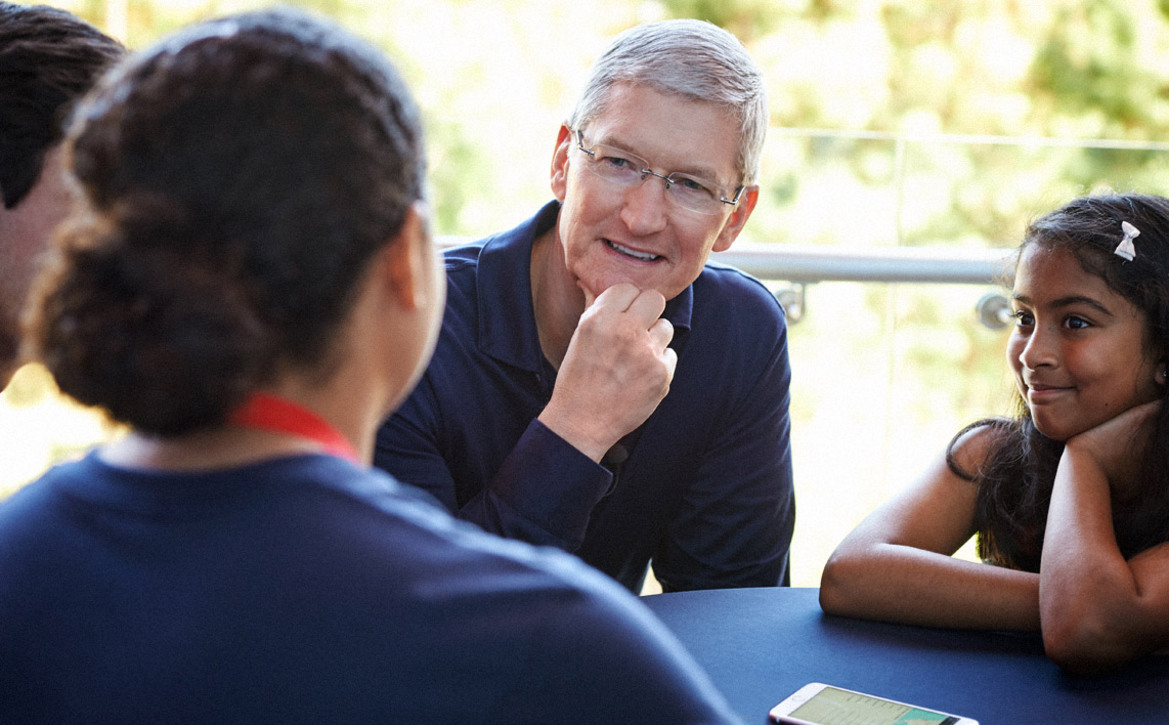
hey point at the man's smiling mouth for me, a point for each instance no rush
(643, 256)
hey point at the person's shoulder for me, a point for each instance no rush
(417, 537)
(511, 244)
(86, 467)
(720, 284)
(459, 252)
(579, 620)
(32, 511)
(545, 568)
(732, 279)
(972, 446)
(738, 314)
(455, 556)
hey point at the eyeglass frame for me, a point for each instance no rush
(646, 171)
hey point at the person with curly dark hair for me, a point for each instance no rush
(1070, 498)
(48, 59)
(249, 284)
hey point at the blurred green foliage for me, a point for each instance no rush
(916, 71)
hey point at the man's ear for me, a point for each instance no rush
(405, 260)
(560, 163)
(738, 219)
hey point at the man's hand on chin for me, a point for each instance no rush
(617, 370)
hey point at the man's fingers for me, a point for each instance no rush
(671, 359)
(618, 297)
(647, 306)
(661, 332)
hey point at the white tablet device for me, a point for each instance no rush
(820, 704)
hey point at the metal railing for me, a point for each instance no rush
(804, 265)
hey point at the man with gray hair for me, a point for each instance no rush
(48, 59)
(598, 386)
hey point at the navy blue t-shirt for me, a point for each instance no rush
(307, 590)
(705, 489)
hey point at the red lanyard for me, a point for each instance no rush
(265, 411)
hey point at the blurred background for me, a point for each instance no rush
(895, 123)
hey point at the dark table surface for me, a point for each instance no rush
(761, 645)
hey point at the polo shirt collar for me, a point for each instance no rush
(507, 319)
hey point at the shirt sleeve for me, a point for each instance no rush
(543, 493)
(735, 523)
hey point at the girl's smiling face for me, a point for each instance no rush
(1078, 350)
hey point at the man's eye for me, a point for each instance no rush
(694, 187)
(617, 162)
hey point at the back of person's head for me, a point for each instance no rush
(691, 58)
(237, 179)
(1090, 227)
(48, 59)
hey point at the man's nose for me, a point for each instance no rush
(646, 205)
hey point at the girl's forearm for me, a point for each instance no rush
(1094, 611)
(898, 583)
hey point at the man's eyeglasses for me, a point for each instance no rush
(624, 169)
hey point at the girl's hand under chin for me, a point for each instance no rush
(1117, 445)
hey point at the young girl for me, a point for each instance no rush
(1070, 499)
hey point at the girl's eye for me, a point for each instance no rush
(1023, 318)
(1076, 323)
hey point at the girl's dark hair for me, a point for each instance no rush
(1016, 479)
(236, 181)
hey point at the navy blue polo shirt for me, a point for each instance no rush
(705, 487)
